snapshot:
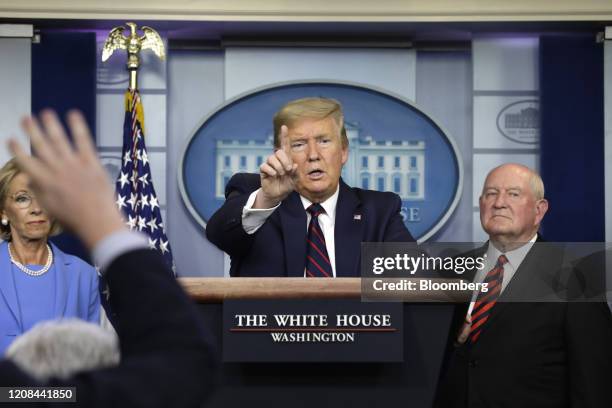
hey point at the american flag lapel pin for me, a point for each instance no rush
(357, 217)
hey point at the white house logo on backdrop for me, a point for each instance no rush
(393, 146)
(520, 121)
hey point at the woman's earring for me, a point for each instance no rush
(4, 222)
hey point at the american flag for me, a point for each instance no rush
(135, 193)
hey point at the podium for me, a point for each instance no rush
(410, 383)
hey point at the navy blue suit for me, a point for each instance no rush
(278, 248)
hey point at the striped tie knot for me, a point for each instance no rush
(315, 210)
(497, 273)
(501, 261)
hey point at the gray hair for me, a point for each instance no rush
(536, 184)
(61, 348)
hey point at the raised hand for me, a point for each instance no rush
(69, 181)
(277, 174)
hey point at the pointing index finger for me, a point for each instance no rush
(284, 139)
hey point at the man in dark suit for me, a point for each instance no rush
(298, 218)
(165, 357)
(522, 344)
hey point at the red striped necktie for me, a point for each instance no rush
(317, 259)
(486, 300)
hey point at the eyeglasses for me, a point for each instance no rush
(23, 200)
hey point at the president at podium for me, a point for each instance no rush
(297, 217)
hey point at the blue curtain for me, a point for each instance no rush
(63, 78)
(572, 137)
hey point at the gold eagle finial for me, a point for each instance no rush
(133, 43)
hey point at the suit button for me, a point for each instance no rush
(473, 363)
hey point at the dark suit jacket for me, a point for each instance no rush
(278, 248)
(532, 354)
(165, 358)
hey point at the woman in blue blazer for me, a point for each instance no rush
(37, 281)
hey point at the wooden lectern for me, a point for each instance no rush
(409, 384)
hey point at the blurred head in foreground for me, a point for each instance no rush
(61, 348)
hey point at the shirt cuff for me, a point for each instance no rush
(117, 244)
(253, 218)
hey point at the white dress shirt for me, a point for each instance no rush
(253, 219)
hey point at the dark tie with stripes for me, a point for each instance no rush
(317, 259)
(486, 300)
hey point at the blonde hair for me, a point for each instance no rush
(309, 108)
(8, 172)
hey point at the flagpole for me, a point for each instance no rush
(136, 196)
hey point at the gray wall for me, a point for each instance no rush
(196, 87)
(444, 91)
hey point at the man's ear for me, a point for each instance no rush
(345, 153)
(541, 208)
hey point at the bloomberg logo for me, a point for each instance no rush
(393, 146)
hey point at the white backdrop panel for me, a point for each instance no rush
(15, 89)
(390, 69)
(505, 64)
(195, 80)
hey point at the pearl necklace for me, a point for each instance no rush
(27, 270)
